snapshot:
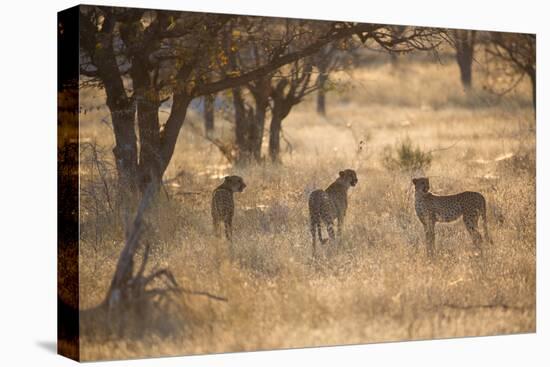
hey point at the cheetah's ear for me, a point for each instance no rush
(341, 173)
(414, 181)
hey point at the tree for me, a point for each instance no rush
(293, 82)
(397, 31)
(288, 91)
(333, 57)
(511, 56)
(254, 44)
(209, 107)
(284, 88)
(325, 61)
(143, 58)
(464, 42)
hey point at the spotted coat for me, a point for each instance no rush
(326, 206)
(223, 205)
(431, 209)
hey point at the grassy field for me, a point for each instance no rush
(379, 285)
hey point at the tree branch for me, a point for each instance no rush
(276, 63)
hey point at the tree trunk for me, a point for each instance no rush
(122, 111)
(125, 151)
(169, 136)
(275, 138)
(123, 118)
(465, 66)
(321, 102)
(281, 109)
(149, 140)
(256, 132)
(209, 114)
(533, 78)
(242, 121)
(250, 122)
(147, 100)
(465, 41)
(120, 289)
(394, 59)
(260, 91)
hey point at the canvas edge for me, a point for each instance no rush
(68, 329)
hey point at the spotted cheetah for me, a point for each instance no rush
(431, 209)
(223, 205)
(330, 204)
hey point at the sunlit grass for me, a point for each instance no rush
(379, 285)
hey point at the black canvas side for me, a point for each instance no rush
(67, 183)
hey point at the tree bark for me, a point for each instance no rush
(209, 114)
(149, 140)
(321, 98)
(275, 138)
(281, 109)
(242, 122)
(169, 135)
(121, 107)
(464, 44)
(250, 122)
(125, 151)
(465, 66)
(257, 128)
(260, 91)
(122, 112)
(147, 100)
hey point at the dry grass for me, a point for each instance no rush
(379, 285)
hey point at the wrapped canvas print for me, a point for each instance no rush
(239, 183)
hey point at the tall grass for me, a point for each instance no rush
(378, 285)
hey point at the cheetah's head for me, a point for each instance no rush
(234, 183)
(421, 184)
(349, 176)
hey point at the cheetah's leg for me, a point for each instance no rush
(217, 227)
(228, 224)
(429, 230)
(471, 223)
(320, 233)
(340, 226)
(330, 230)
(329, 222)
(312, 226)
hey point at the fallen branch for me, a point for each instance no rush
(488, 305)
(444, 148)
(206, 294)
(173, 285)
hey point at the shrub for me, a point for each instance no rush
(406, 157)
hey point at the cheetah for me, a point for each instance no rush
(431, 209)
(223, 205)
(329, 205)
